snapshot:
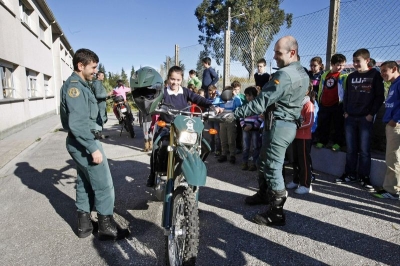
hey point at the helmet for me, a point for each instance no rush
(147, 89)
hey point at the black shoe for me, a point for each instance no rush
(270, 218)
(108, 230)
(85, 226)
(345, 178)
(222, 159)
(256, 199)
(150, 180)
(312, 178)
(366, 184)
(232, 159)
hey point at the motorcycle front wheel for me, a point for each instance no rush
(183, 239)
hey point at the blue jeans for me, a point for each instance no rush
(251, 139)
(358, 141)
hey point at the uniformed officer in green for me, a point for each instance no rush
(79, 116)
(101, 94)
(282, 95)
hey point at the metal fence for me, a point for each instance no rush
(367, 24)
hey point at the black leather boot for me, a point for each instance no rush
(108, 230)
(274, 215)
(261, 196)
(85, 227)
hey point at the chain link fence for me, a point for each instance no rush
(367, 24)
(370, 24)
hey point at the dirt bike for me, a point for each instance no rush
(180, 151)
(125, 115)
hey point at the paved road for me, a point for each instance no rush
(335, 225)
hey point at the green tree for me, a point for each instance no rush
(261, 20)
(169, 63)
(132, 71)
(124, 77)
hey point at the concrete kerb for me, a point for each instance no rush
(333, 163)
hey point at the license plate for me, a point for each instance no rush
(123, 109)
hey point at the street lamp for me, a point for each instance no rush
(227, 49)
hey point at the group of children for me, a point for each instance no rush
(349, 102)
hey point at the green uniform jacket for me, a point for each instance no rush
(196, 82)
(79, 112)
(287, 88)
(101, 94)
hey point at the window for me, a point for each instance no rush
(43, 32)
(7, 83)
(31, 84)
(46, 85)
(25, 11)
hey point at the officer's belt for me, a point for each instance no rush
(96, 135)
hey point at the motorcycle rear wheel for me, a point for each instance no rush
(183, 240)
(129, 125)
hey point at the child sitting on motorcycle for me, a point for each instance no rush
(121, 90)
(178, 97)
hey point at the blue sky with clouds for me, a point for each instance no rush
(140, 33)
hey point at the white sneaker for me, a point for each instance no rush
(303, 190)
(291, 185)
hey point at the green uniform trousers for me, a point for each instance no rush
(272, 154)
(94, 186)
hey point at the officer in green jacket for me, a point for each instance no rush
(101, 94)
(281, 97)
(79, 116)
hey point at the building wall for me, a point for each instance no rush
(37, 55)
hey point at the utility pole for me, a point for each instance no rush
(176, 55)
(227, 52)
(333, 26)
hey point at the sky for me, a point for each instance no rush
(126, 33)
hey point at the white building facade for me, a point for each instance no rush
(35, 60)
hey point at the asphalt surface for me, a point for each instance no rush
(335, 225)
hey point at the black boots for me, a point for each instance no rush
(108, 230)
(257, 199)
(85, 226)
(261, 196)
(274, 215)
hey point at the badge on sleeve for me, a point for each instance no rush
(276, 81)
(73, 92)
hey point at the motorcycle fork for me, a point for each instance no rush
(169, 187)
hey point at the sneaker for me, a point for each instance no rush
(232, 159)
(319, 145)
(351, 179)
(345, 179)
(217, 154)
(245, 166)
(291, 185)
(253, 167)
(386, 195)
(366, 184)
(341, 180)
(303, 190)
(336, 147)
(222, 159)
(313, 178)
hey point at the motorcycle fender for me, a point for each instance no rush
(193, 168)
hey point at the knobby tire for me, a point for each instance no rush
(185, 214)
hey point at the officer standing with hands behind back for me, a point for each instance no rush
(79, 116)
(281, 97)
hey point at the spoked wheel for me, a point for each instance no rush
(183, 239)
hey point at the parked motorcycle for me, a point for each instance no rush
(125, 115)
